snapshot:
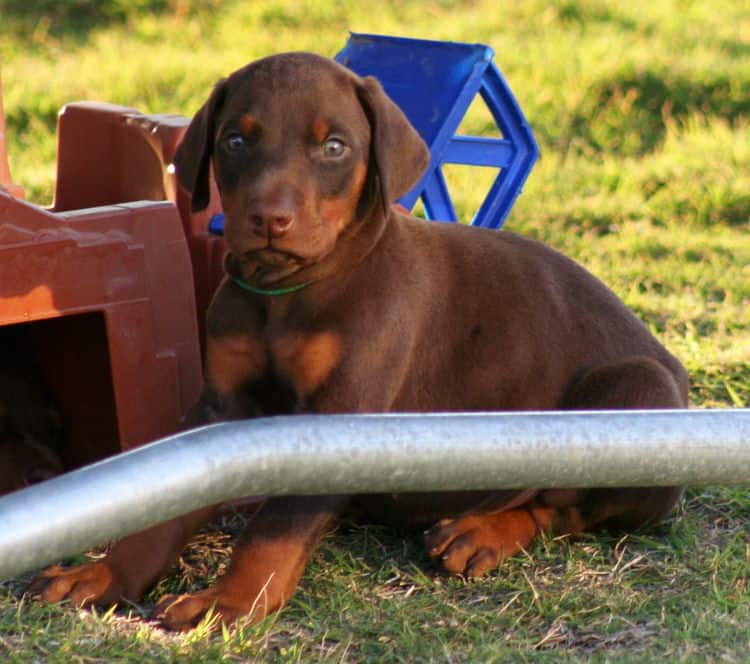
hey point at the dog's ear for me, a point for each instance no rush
(400, 155)
(192, 160)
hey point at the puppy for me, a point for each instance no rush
(337, 302)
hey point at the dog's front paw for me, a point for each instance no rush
(93, 583)
(180, 613)
(473, 545)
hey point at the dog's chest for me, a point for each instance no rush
(278, 369)
(304, 359)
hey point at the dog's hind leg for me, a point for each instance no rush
(476, 542)
(638, 383)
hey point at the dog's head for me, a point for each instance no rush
(302, 150)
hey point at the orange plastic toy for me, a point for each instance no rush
(127, 155)
(101, 286)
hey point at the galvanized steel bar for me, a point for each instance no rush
(308, 454)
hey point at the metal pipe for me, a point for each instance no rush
(309, 454)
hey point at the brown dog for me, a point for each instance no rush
(337, 303)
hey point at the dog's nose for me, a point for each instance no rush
(271, 223)
(272, 214)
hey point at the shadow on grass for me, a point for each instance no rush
(628, 114)
(75, 19)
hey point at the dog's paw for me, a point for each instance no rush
(180, 613)
(93, 583)
(475, 544)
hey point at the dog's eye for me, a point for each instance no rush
(333, 147)
(234, 142)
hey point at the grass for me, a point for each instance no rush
(643, 115)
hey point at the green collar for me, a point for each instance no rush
(271, 291)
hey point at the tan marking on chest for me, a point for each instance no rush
(308, 359)
(233, 361)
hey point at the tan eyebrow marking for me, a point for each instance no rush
(247, 123)
(320, 130)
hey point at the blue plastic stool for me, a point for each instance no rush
(434, 83)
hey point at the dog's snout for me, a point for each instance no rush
(271, 219)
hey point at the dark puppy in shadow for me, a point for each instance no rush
(30, 430)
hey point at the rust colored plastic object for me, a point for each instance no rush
(106, 298)
(99, 291)
(109, 154)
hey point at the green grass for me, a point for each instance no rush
(643, 116)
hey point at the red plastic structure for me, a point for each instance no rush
(101, 287)
(106, 298)
(108, 154)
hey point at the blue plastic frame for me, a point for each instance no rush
(434, 83)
